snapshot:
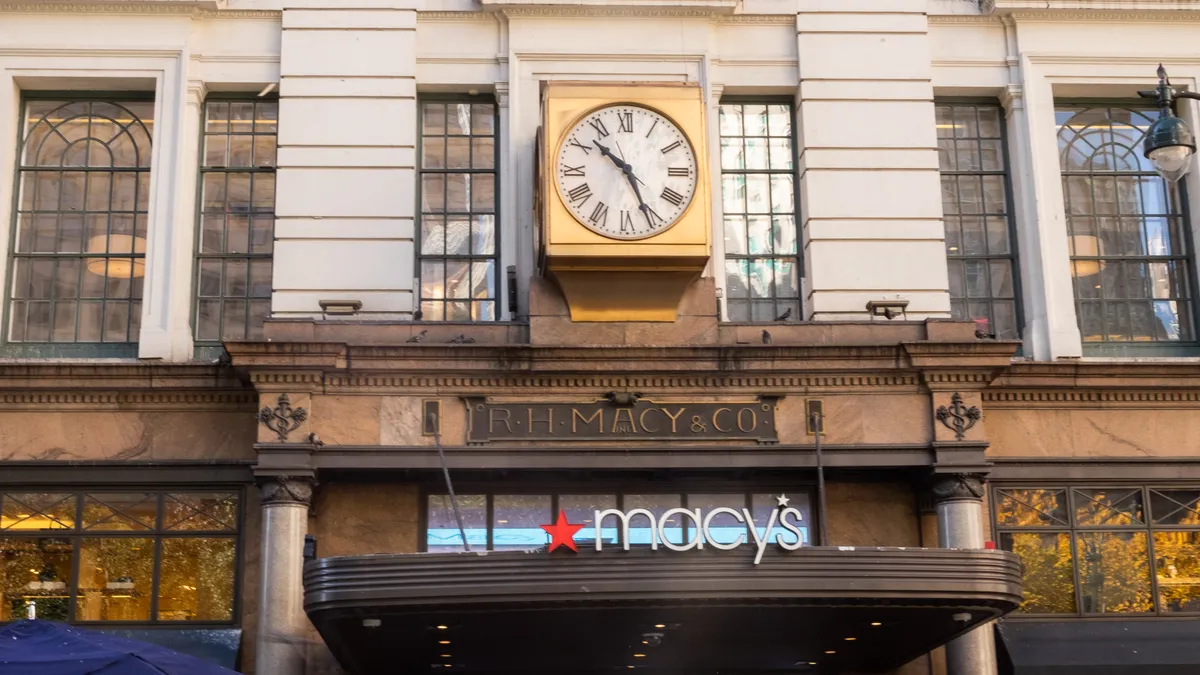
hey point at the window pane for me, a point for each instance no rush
(1114, 572)
(212, 511)
(37, 570)
(1049, 573)
(120, 511)
(517, 521)
(1108, 507)
(1031, 508)
(37, 511)
(1175, 507)
(197, 579)
(1177, 559)
(640, 531)
(581, 510)
(115, 579)
(442, 533)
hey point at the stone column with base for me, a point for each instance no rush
(959, 503)
(282, 624)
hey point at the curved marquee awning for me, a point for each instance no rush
(815, 610)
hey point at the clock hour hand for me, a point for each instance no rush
(629, 175)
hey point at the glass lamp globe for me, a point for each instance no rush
(1172, 162)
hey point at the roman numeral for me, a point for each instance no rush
(626, 222)
(580, 193)
(577, 144)
(598, 125)
(599, 214)
(651, 128)
(652, 218)
(679, 171)
(672, 196)
(671, 147)
(626, 121)
(573, 171)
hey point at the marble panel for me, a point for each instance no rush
(400, 421)
(871, 514)
(858, 419)
(346, 420)
(1092, 432)
(364, 518)
(134, 435)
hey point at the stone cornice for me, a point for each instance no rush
(122, 386)
(202, 10)
(1081, 6)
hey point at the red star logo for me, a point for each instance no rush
(562, 533)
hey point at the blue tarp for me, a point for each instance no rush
(49, 648)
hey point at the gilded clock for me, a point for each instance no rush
(626, 171)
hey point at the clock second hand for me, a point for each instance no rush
(622, 156)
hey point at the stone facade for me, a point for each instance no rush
(863, 75)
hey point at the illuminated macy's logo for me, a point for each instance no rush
(782, 528)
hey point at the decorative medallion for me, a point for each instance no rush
(283, 419)
(958, 417)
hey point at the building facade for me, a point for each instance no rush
(333, 340)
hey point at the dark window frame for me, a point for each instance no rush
(1072, 530)
(208, 347)
(498, 280)
(490, 491)
(77, 533)
(1013, 256)
(50, 349)
(780, 302)
(1189, 259)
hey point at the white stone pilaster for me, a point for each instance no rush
(507, 215)
(166, 297)
(869, 180)
(716, 264)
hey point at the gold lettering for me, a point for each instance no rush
(674, 418)
(549, 421)
(716, 419)
(499, 415)
(642, 420)
(753, 420)
(624, 427)
(577, 416)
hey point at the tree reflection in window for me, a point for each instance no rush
(1129, 256)
(1099, 550)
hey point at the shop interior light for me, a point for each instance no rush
(639, 656)
(660, 625)
(442, 627)
(850, 639)
(876, 623)
(830, 651)
(443, 642)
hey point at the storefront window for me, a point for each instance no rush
(130, 556)
(516, 519)
(1096, 550)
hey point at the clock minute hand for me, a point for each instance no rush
(629, 175)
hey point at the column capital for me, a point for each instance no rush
(956, 487)
(281, 490)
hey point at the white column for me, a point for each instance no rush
(869, 181)
(716, 265)
(960, 525)
(507, 216)
(346, 183)
(1048, 298)
(166, 298)
(281, 642)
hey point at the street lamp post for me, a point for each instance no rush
(1169, 142)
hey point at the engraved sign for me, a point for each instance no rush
(623, 417)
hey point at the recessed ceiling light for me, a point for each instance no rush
(443, 642)
(660, 625)
(876, 623)
(639, 656)
(831, 651)
(442, 627)
(446, 656)
(850, 639)
(645, 642)
(812, 663)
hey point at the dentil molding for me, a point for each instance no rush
(196, 8)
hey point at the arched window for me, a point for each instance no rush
(1125, 224)
(79, 244)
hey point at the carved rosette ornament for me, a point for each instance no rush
(278, 490)
(957, 487)
(283, 419)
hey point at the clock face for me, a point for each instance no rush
(626, 172)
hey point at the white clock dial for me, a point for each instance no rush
(626, 172)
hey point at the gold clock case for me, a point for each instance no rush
(606, 279)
